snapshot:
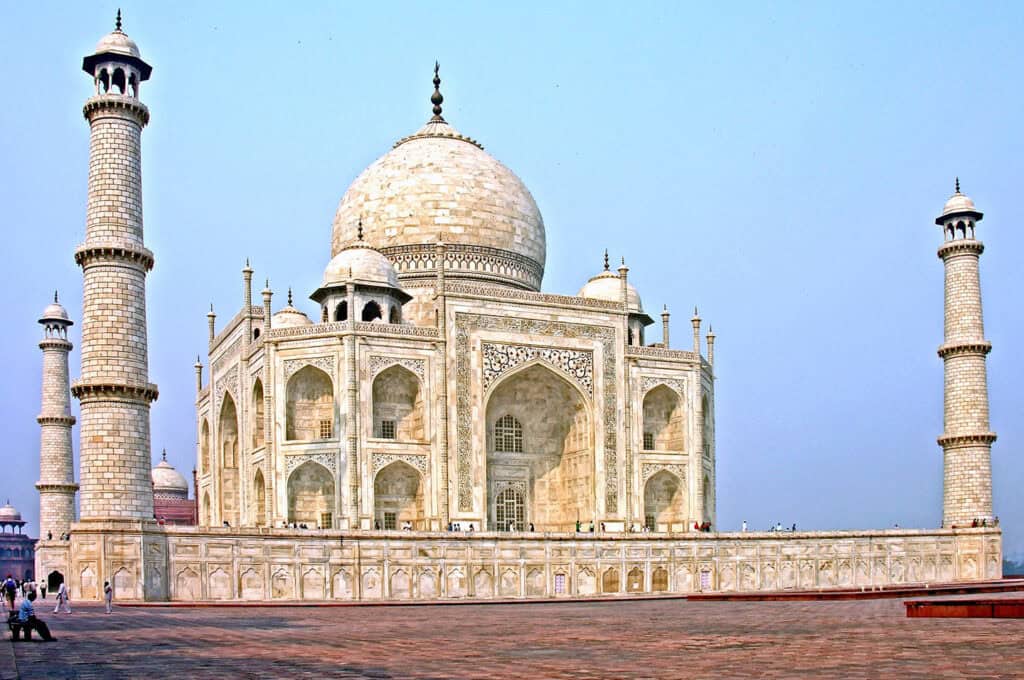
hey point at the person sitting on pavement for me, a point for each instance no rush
(29, 622)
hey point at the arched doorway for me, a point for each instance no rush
(227, 447)
(206, 519)
(539, 439)
(397, 405)
(257, 414)
(664, 502)
(53, 581)
(259, 495)
(311, 496)
(204, 447)
(398, 497)
(309, 409)
(663, 420)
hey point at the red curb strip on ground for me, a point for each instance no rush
(1006, 585)
(965, 609)
(920, 590)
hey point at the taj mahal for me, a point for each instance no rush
(439, 428)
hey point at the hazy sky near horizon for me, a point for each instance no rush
(779, 165)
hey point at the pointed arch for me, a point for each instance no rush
(341, 311)
(398, 497)
(309, 407)
(257, 414)
(259, 495)
(663, 420)
(206, 520)
(204, 447)
(227, 449)
(398, 409)
(554, 461)
(664, 501)
(371, 311)
(311, 495)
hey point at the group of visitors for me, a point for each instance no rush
(63, 537)
(985, 522)
(702, 526)
(23, 615)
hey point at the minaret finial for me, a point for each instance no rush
(958, 185)
(606, 259)
(436, 99)
(165, 455)
(359, 229)
(117, 22)
(289, 296)
(55, 295)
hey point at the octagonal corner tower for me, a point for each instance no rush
(438, 185)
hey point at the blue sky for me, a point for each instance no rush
(779, 165)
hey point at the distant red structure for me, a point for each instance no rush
(171, 504)
(17, 551)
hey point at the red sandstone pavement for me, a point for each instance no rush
(628, 639)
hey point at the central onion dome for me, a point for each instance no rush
(438, 185)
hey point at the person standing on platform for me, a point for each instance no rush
(108, 594)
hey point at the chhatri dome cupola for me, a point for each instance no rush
(361, 276)
(959, 216)
(168, 482)
(9, 517)
(289, 317)
(55, 320)
(438, 185)
(116, 66)
(608, 285)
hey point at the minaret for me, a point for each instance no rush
(966, 440)
(114, 387)
(56, 463)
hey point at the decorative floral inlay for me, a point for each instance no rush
(226, 383)
(328, 460)
(325, 364)
(672, 383)
(651, 469)
(382, 460)
(379, 363)
(500, 358)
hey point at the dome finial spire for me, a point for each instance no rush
(359, 229)
(289, 296)
(55, 296)
(436, 99)
(606, 259)
(958, 185)
(165, 455)
(117, 22)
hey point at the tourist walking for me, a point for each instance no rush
(62, 598)
(10, 592)
(108, 594)
(42, 589)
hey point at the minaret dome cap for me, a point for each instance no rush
(55, 312)
(958, 204)
(117, 46)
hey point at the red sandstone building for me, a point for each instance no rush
(171, 504)
(17, 551)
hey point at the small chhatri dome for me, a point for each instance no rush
(120, 47)
(438, 185)
(363, 264)
(289, 317)
(9, 514)
(607, 285)
(167, 480)
(958, 204)
(55, 312)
